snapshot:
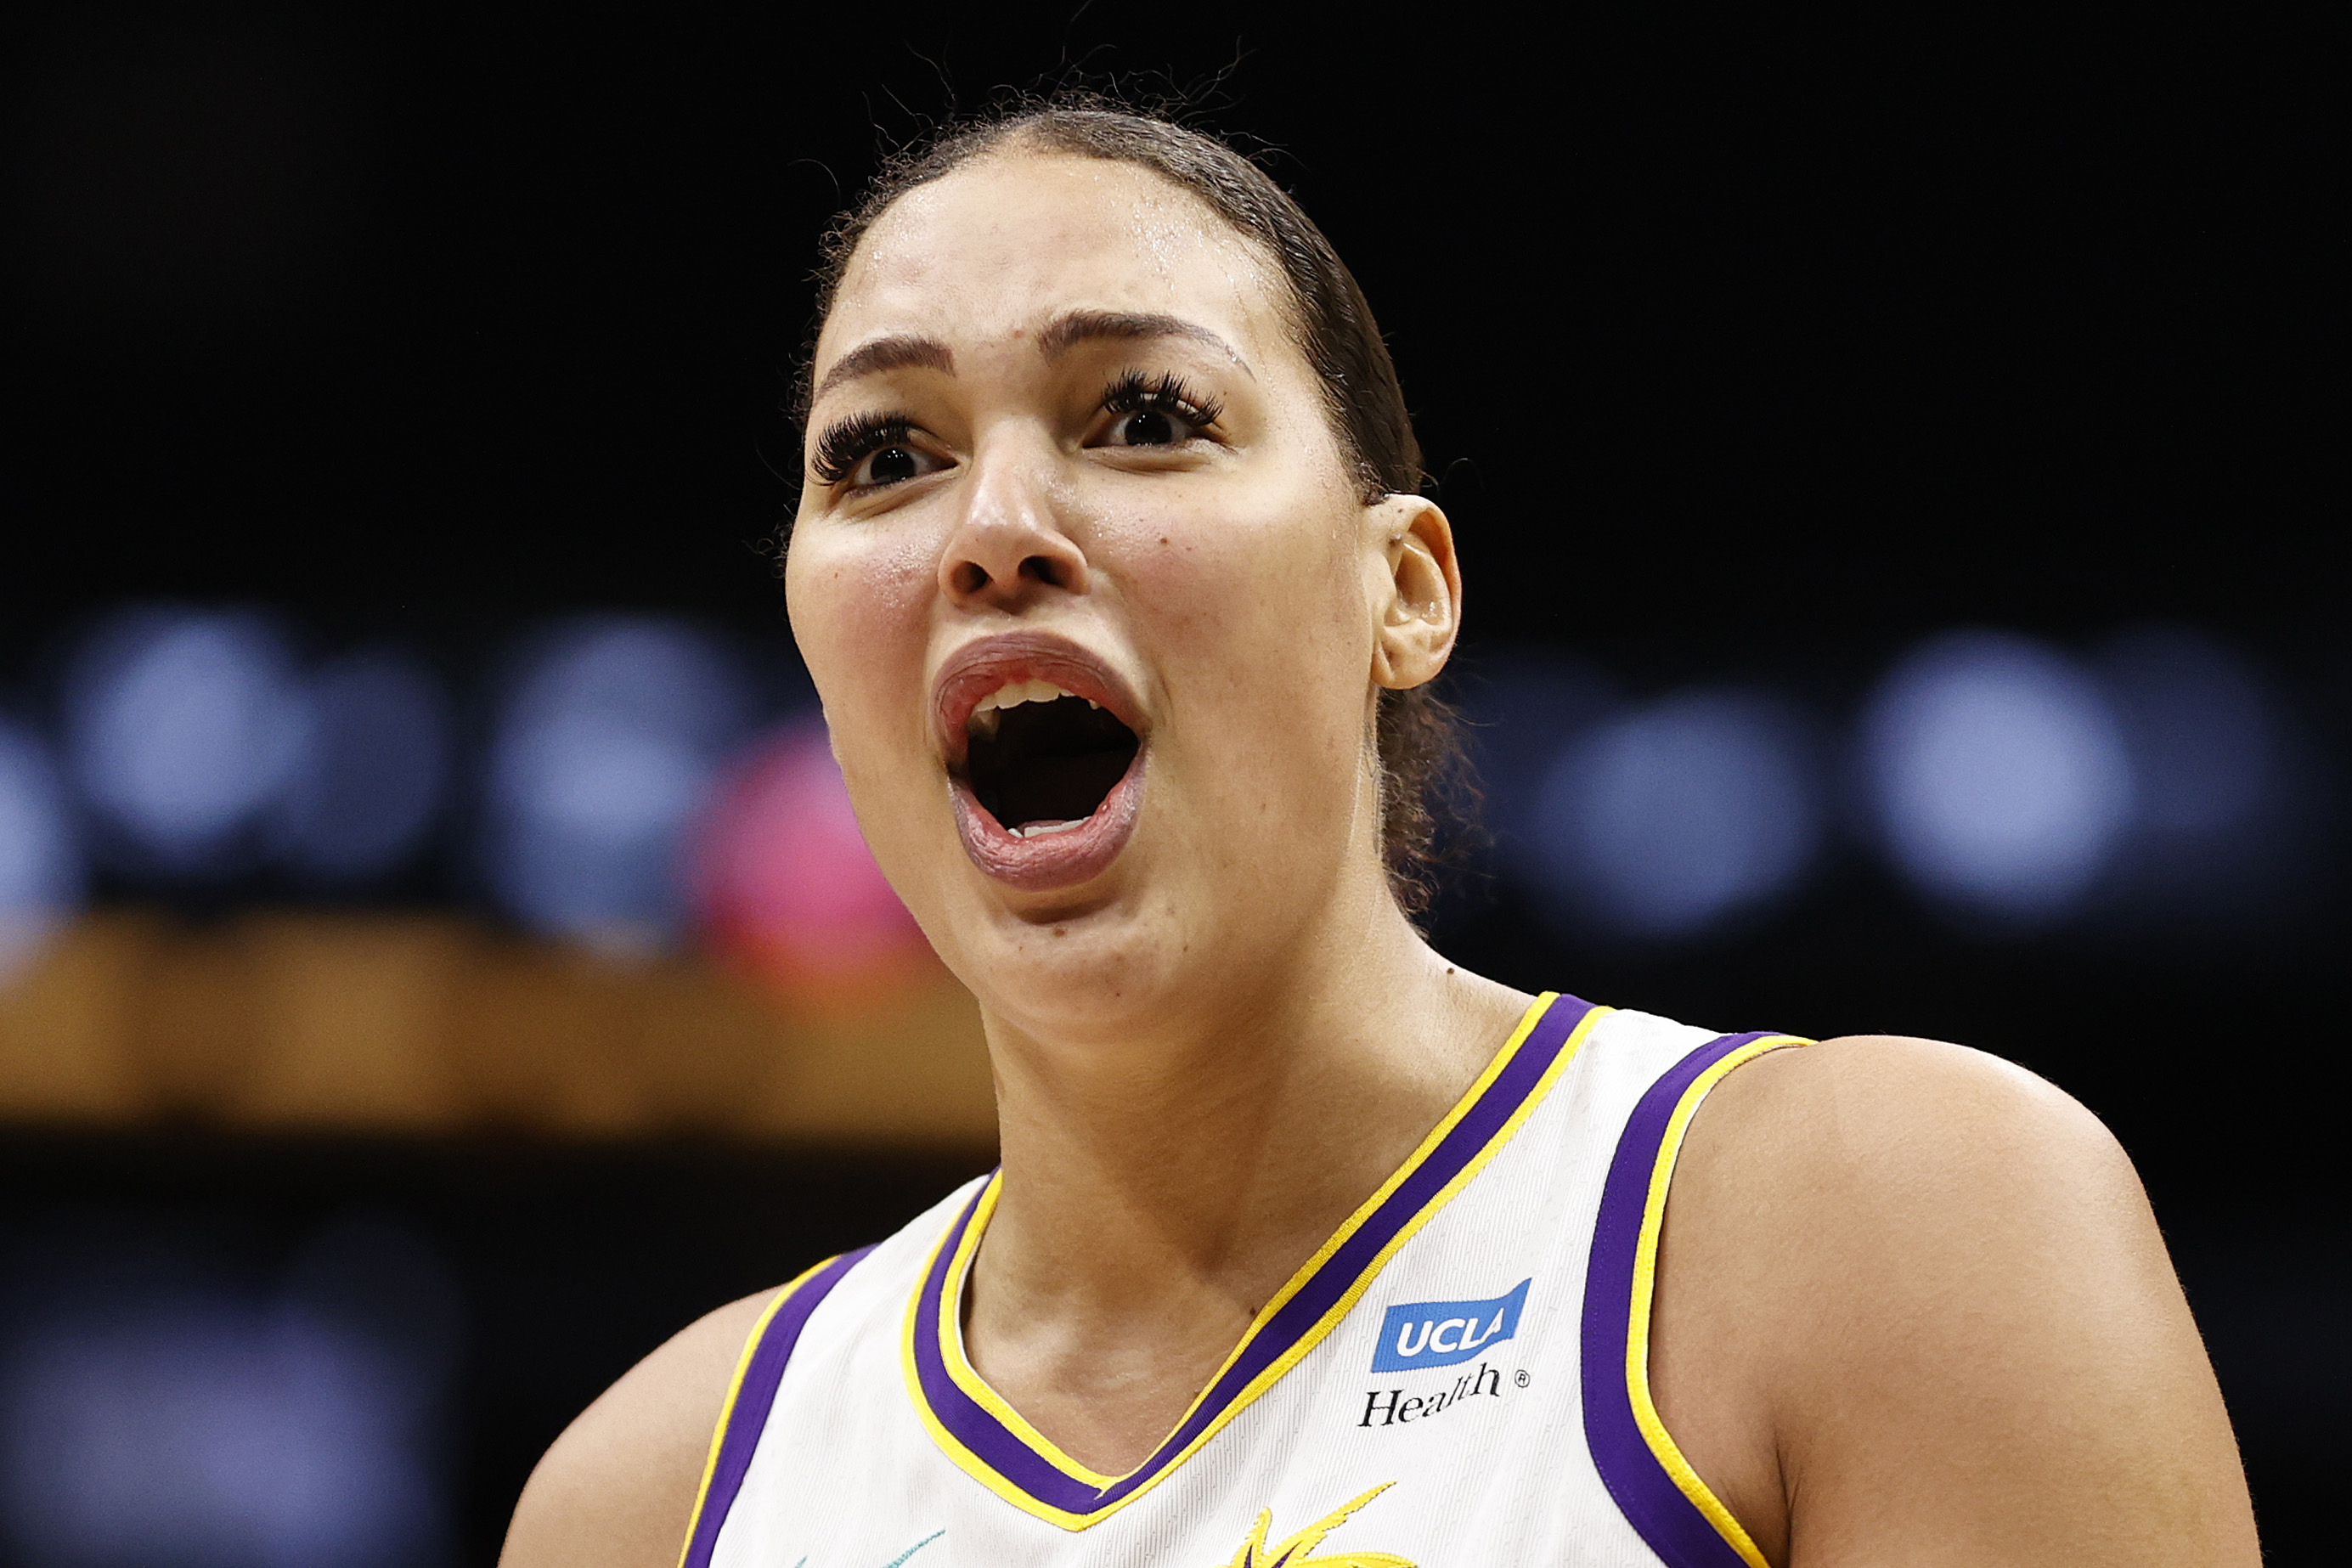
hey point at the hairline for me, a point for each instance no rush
(1022, 138)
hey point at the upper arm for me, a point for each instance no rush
(616, 1491)
(1913, 1308)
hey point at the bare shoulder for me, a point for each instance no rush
(1882, 1107)
(1912, 1292)
(615, 1489)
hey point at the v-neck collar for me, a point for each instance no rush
(976, 1428)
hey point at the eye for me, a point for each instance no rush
(893, 464)
(873, 452)
(1157, 411)
(1151, 427)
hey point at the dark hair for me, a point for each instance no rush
(1421, 753)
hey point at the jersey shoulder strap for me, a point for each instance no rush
(1661, 1496)
(744, 1416)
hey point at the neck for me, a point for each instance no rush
(1156, 1195)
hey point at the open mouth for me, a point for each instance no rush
(1042, 760)
(1045, 749)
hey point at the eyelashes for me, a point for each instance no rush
(1134, 393)
(847, 444)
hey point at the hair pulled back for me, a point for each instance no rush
(1419, 750)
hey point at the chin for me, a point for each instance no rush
(1078, 967)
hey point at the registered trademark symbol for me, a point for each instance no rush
(1520, 1377)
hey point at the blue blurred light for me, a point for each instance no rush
(164, 1419)
(40, 858)
(2201, 728)
(181, 728)
(1520, 706)
(1999, 774)
(2221, 820)
(606, 748)
(375, 765)
(1665, 821)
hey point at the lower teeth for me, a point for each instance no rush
(1039, 829)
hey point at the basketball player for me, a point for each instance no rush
(1309, 1246)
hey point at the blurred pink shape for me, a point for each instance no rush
(785, 883)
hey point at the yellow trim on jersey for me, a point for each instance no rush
(951, 1287)
(960, 1367)
(734, 1390)
(1645, 1270)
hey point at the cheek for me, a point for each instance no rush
(860, 609)
(1255, 602)
(844, 592)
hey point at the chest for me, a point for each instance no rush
(1438, 1421)
(1458, 1376)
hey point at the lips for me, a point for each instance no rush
(1024, 761)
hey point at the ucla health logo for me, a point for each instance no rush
(1441, 1333)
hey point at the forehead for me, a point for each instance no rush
(988, 254)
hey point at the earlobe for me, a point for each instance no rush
(1419, 594)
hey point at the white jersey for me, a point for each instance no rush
(1458, 1378)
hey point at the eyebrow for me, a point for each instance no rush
(1078, 327)
(901, 352)
(1067, 332)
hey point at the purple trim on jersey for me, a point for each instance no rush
(1655, 1507)
(1014, 1460)
(748, 1417)
(963, 1415)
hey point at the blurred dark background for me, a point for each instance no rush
(1898, 468)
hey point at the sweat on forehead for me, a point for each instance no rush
(1006, 243)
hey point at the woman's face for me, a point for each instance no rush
(1091, 597)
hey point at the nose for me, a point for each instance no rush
(1009, 548)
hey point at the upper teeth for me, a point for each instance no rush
(1013, 694)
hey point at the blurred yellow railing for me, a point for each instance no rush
(430, 1024)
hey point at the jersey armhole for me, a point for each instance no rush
(751, 1394)
(1661, 1496)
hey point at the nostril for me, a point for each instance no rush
(1043, 568)
(969, 578)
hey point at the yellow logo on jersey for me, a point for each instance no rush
(1291, 1551)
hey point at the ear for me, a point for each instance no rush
(1416, 588)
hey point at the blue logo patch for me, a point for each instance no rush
(1441, 1333)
